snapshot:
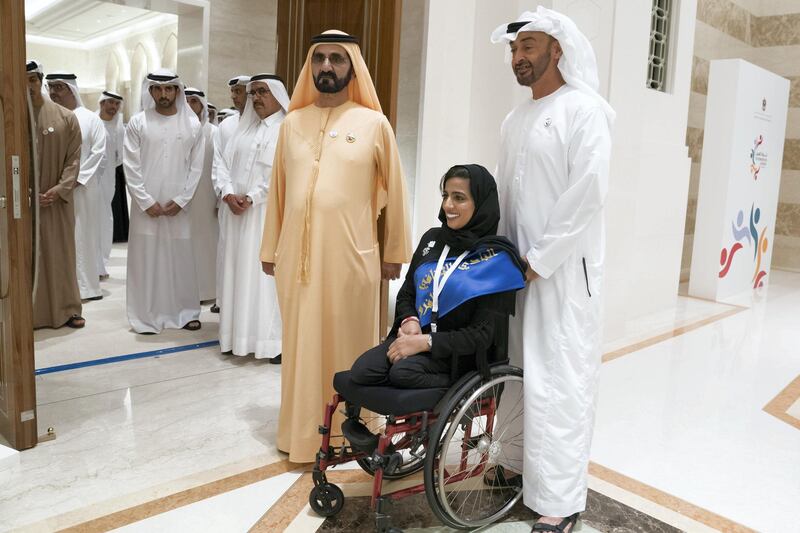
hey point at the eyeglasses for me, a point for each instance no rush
(57, 87)
(336, 60)
(261, 91)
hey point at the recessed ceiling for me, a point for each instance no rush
(80, 21)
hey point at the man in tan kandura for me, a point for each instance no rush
(336, 166)
(56, 298)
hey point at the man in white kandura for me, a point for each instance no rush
(110, 112)
(205, 229)
(63, 89)
(163, 157)
(249, 320)
(552, 179)
(226, 129)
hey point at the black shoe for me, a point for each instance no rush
(94, 298)
(275, 360)
(215, 308)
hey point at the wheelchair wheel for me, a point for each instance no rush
(479, 427)
(326, 499)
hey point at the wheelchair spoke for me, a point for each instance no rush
(473, 440)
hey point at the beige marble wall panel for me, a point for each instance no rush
(711, 43)
(242, 41)
(697, 110)
(694, 181)
(790, 186)
(791, 154)
(727, 17)
(779, 30)
(694, 141)
(788, 219)
(766, 8)
(786, 253)
(700, 68)
(782, 60)
(691, 215)
(793, 123)
(794, 91)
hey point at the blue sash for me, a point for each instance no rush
(482, 272)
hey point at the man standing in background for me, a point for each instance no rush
(63, 90)
(163, 157)
(110, 112)
(205, 228)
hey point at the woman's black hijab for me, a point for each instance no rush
(481, 230)
(486, 217)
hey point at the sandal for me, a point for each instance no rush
(500, 480)
(558, 528)
(76, 322)
(193, 325)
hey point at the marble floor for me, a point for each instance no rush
(698, 429)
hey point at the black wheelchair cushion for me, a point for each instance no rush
(386, 400)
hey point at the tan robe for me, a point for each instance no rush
(58, 142)
(345, 161)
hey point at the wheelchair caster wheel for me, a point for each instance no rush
(326, 499)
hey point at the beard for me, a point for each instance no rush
(329, 82)
(165, 102)
(528, 73)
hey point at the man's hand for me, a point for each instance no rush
(171, 209)
(268, 268)
(48, 198)
(530, 274)
(390, 270)
(406, 346)
(237, 203)
(155, 210)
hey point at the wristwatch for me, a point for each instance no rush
(430, 341)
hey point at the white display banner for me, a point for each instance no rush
(740, 176)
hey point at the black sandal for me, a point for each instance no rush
(500, 480)
(76, 322)
(558, 528)
(193, 325)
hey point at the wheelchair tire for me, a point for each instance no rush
(326, 499)
(457, 412)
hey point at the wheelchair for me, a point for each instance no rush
(452, 435)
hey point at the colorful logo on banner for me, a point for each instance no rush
(746, 232)
(757, 158)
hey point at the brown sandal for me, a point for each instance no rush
(76, 322)
(193, 325)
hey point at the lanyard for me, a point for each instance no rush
(438, 284)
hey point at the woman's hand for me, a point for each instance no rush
(406, 346)
(411, 327)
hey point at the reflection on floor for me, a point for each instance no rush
(694, 430)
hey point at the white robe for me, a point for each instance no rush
(552, 180)
(108, 181)
(87, 202)
(249, 317)
(221, 137)
(205, 228)
(162, 163)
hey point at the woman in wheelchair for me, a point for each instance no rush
(457, 295)
(439, 378)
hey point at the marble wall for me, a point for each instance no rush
(242, 40)
(766, 33)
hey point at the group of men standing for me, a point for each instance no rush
(313, 174)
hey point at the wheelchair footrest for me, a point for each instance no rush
(359, 436)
